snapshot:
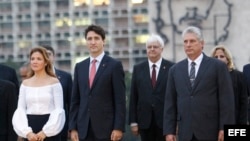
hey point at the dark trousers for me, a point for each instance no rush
(7, 138)
(195, 139)
(36, 122)
(64, 134)
(91, 136)
(153, 133)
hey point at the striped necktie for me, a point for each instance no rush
(192, 73)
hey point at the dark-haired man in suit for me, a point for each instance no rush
(148, 86)
(199, 98)
(8, 105)
(98, 107)
(65, 79)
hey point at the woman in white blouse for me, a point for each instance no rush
(40, 115)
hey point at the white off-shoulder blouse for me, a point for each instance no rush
(40, 101)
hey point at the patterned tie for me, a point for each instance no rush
(92, 73)
(153, 79)
(192, 73)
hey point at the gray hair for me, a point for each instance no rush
(153, 38)
(194, 30)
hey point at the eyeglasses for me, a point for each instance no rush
(153, 47)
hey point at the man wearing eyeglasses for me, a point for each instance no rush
(148, 87)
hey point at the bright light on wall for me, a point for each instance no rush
(141, 39)
(24, 44)
(136, 1)
(81, 2)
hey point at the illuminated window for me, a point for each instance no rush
(24, 44)
(80, 42)
(140, 18)
(100, 2)
(81, 2)
(63, 22)
(137, 1)
(82, 22)
(87, 2)
(141, 39)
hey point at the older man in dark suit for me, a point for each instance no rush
(8, 73)
(148, 88)
(97, 111)
(8, 105)
(199, 97)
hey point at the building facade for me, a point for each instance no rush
(61, 23)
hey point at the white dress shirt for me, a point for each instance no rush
(40, 101)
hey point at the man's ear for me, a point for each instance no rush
(202, 44)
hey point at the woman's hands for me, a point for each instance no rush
(32, 136)
(40, 136)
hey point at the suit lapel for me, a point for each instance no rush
(186, 78)
(162, 70)
(203, 68)
(103, 65)
(85, 67)
(146, 73)
(1, 88)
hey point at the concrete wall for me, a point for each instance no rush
(237, 40)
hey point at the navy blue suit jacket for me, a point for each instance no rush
(8, 105)
(103, 104)
(202, 110)
(146, 101)
(246, 73)
(66, 81)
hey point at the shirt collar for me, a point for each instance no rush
(158, 63)
(197, 60)
(98, 58)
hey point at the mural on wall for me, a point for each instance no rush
(159, 21)
(212, 16)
